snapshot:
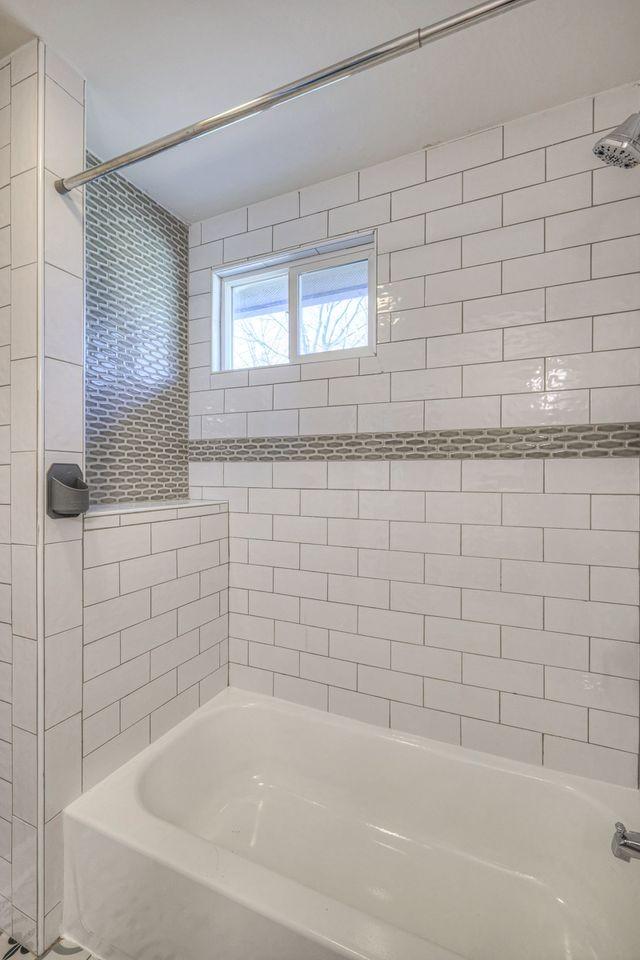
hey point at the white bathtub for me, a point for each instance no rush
(261, 830)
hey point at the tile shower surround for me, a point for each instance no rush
(488, 603)
(493, 608)
(493, 604)
(155, 626)
(136, 345)
(508, 288)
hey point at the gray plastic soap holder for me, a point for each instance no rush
(67, 493)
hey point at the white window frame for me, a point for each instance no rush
(292, 266)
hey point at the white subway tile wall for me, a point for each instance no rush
(491, 604)
(60, 360)
(16, 764)
(155, 625)
(40, 289)
(507, 245)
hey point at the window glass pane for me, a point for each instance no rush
(334, 308)
(260, 322)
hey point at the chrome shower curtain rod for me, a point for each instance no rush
(322, 78)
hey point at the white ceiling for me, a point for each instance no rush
(153, 66)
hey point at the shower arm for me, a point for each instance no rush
(313, 81)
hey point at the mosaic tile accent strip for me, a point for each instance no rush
(582, 440)
(136, 345)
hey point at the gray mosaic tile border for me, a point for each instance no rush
(581, 440)
(136, 364)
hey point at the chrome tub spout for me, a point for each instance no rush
(625, 843)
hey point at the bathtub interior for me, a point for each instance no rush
(404, 830)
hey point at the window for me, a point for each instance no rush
(297, 311)
(257, 328)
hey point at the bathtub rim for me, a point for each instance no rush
(601, 791)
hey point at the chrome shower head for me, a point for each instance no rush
(621, 147)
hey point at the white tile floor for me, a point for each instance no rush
(63, 948)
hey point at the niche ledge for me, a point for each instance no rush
(114, 514)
